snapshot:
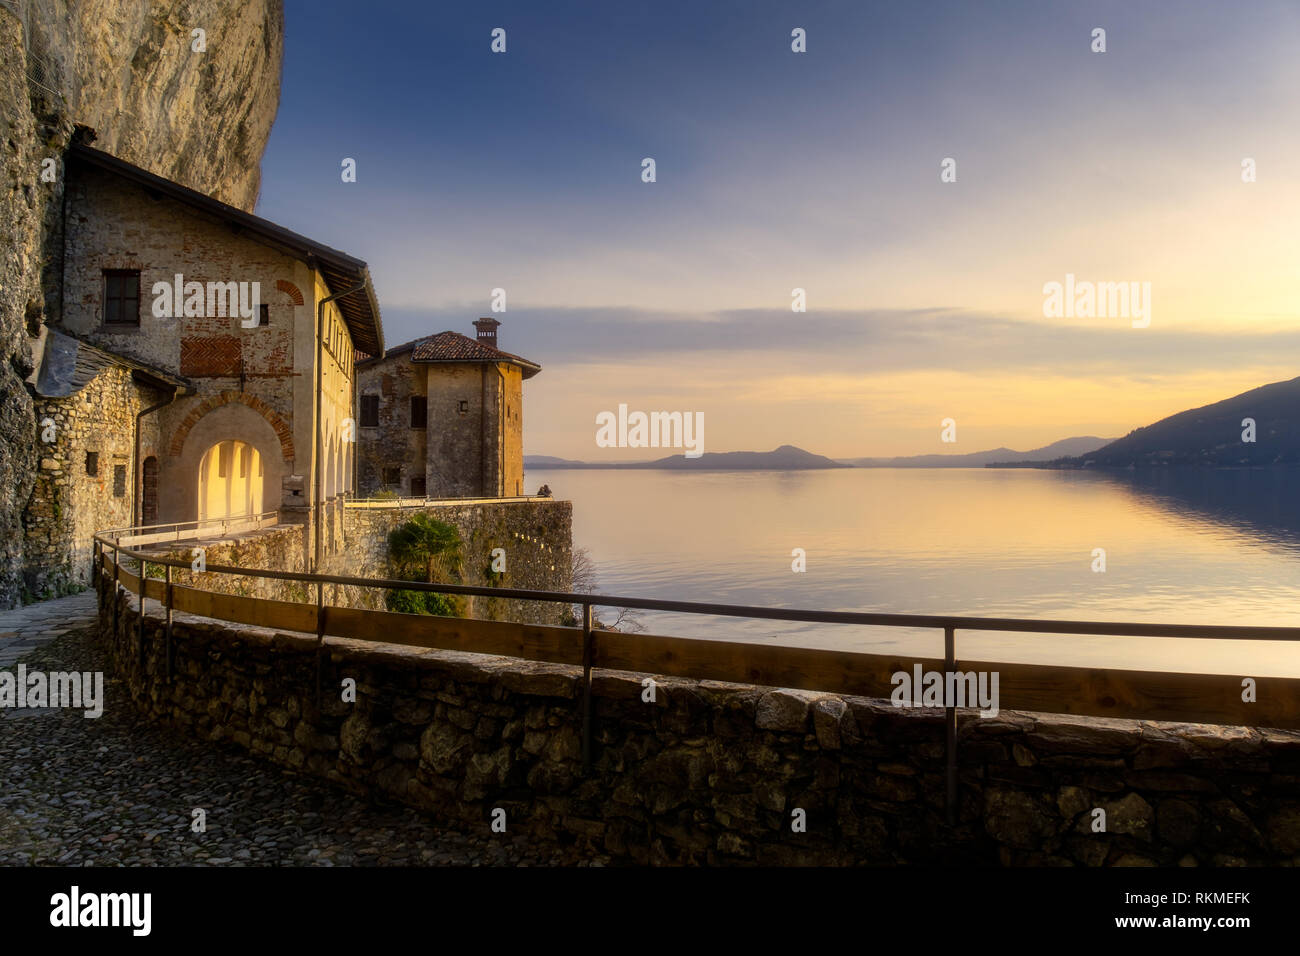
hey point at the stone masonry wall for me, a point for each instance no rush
(26, 209)
(279, 548)
(393, 446)
(128, 71)
(449, 453)
(536, 535)
(713, 773)
(69, 504)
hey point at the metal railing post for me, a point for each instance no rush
(588, 646)
(117, 567)
(167, 627)
(139, 634)
(950, 719)
(320, 644)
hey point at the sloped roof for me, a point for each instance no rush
(69, 364)
(340, 270)
(450, 347)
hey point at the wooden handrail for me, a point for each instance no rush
(1084, 691)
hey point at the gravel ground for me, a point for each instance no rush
(116, 791)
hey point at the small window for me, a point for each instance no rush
(122, 297)
(369, 411)
(92, 463)
(419, 411)
(119, 481)
(392, 476)
(464, 406)
(417, 486)
(263, 315)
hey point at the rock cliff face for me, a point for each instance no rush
(127, 69)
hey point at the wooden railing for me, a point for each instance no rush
(1084, 691)
(191, 530)
(418, 502)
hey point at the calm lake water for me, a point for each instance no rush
(1182, 547)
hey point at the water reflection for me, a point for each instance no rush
(1183, 547)
(1261, 501)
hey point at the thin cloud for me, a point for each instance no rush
(870, 341)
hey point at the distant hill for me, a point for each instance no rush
(1211, 435)
(548, 461)
(785, 458)
(1066, 447)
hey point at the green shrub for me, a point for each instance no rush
(428, 550)
(425, 602)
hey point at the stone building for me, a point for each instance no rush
(225, 346)
(89, 405)
(442, 417)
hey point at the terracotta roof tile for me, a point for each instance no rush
(454, 347)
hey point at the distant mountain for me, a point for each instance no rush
(1212, 435)
(978, 459)
(785, 458)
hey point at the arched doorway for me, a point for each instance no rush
(149, 492)
(230, 481)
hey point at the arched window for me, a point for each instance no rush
(230, 481)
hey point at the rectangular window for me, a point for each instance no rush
(263, 315)
(369, 411)
(92, 463)
(119, 481)
(392, 476)
(419, 411)
(417, 486)
(122, 297)
(463, 407)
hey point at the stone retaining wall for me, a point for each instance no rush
(711, 772)
(536, 536)
(282, 547)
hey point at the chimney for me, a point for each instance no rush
(487, 331)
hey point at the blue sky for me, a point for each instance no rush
(819, 170)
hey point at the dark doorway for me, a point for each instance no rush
(149, 493)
